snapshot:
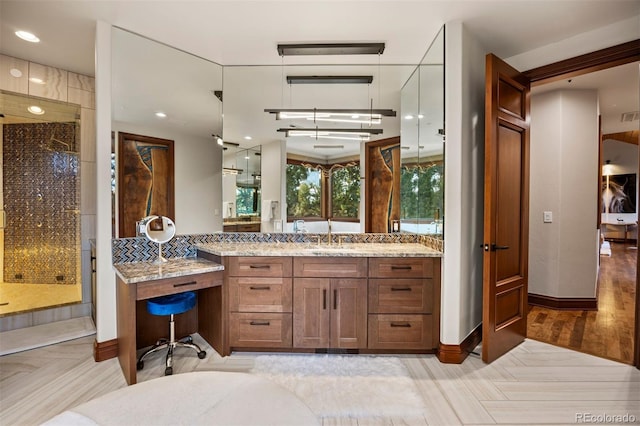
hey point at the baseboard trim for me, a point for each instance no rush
(103, 351)
(564, 303)
(456, 354)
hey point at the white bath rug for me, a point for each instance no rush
(358, 386)
(24, 339)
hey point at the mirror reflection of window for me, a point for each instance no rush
(304, 192)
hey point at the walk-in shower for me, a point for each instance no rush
(40, 220)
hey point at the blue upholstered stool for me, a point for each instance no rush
(171, 304)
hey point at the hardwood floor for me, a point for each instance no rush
(535, 383)
(607, 332)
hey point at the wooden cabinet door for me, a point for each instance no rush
(311, 312)
(349, 313)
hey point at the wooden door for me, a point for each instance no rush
(311, 312)
(349, 313)
(506, 209)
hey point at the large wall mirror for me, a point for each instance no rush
(164, 93)
(422, 144)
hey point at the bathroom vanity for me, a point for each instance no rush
(307, 297)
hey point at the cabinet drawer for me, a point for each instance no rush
(149, 289)
(401, 267)
(254, 294)
(260, 330)
(256, 266)
(400, 332)
(406, 295)
(330, 267)
(248, 227)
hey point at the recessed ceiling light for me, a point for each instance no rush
(161, 114)
(27, 36)
(420, 116)
(34, 109)
(247, 158)
(248, 138)
(408, 117)
(36, 80)
(15, 72)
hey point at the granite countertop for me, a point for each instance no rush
(135, 272)
(313, 249)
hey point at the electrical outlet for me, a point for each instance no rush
(547, 217)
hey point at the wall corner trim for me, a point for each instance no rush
(456, 354)
(103, 351)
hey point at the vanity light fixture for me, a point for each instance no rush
(329, 79)
(34, 109)
(364, 116)
(230, 171)
(342, 134)
(331, 49)
(27, 36)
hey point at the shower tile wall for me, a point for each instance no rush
(41, 200)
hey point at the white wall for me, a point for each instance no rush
(563, 254)
(273, 182)
(198, 178)
(461, 309)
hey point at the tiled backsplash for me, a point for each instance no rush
(140, 249)
(41, 198)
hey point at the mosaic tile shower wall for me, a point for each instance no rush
(41, 198)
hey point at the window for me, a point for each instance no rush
(304, 191)
(422, 191)
(345, 192)
(318, 191)
(247, 200)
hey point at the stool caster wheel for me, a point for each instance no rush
(168, 371)
(140, 365)
(188, 339)
(202, 354)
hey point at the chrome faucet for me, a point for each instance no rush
(329, 238)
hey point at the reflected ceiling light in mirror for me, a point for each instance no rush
(36, 80)
(161, 114)
(248, 138)
(36, 110)
(342, 134)
(27, 36)
(359, 116)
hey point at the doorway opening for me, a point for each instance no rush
(608, 331)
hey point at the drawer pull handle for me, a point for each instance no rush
(259, 266)
(185, 284)
(400, 288)
(404, 324)
(335, 299)
(324, 299)
(404, 267)
(259, 323)
(260, 287)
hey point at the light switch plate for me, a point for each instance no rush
(547, 217)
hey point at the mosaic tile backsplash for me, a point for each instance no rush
(139, 249)
(41, 198)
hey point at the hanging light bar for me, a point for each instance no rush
(365, 116)
(329, 79)
(342, 134)
(331, 49)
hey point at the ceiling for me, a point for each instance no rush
(236, 32)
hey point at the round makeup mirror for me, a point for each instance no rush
(159, 229)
